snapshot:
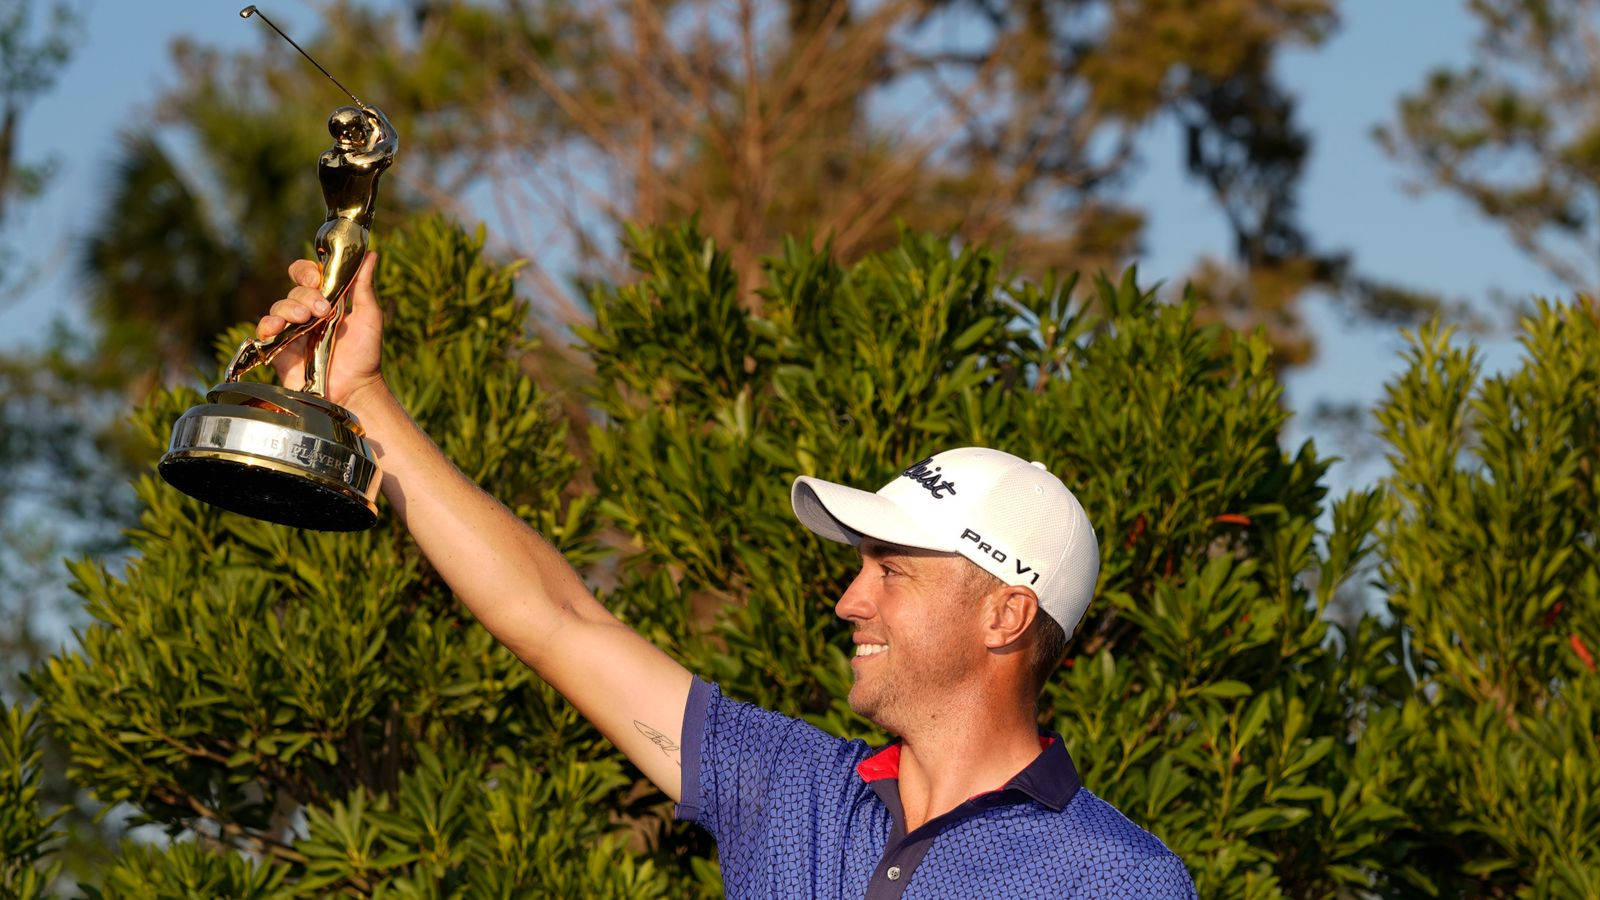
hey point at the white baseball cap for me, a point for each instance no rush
(1012, 517)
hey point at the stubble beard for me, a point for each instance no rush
(875, 698)
(889, 699)
(899, 698)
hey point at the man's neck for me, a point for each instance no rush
(968, 750)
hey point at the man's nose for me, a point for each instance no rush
(856, 603)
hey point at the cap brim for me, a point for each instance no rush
(848, 515)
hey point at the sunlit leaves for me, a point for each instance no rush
(1490, 561)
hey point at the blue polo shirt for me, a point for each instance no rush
(800, 813)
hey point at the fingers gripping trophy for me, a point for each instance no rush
(274, 453)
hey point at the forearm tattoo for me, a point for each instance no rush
(660, 740)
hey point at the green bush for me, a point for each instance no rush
(1491, 567)
(321, 703)
(26, 841)
(1203, 695)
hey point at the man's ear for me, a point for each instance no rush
(1009, 610)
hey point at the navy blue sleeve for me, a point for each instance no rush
(741, 762)
(694, 730)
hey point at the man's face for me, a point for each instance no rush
(915, 631)
(353, 134)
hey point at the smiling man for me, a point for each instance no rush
(976, 565)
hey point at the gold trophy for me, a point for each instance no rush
(294, 457)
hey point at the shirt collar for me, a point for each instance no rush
(1051, 778)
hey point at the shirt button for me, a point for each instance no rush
(893, 873)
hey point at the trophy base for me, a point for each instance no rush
(274, 454)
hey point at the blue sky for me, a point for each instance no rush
(1351, 198)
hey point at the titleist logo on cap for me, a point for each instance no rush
(930, 479)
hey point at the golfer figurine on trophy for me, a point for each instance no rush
(286, 456)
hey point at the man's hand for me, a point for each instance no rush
(354, 368)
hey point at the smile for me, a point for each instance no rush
(870, 649)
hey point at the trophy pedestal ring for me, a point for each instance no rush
(272, 453)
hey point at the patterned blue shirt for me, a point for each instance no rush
(799, 813)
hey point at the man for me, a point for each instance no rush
(976, 565)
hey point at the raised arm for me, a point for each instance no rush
(514, 581)
(384, 142)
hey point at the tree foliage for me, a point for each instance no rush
(26, 841)
(306, 713)
(1201, 695)
(1490, 564)
(193, 243)
(36, 41)
(1012, 124)
(1514, 131)
(999, 123)
(50, 450)
(321, 704)
(31, 56)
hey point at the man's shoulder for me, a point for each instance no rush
(733, 728)
(1088, 834)
(1122, 853)
(1104, 826)
(1083, 849)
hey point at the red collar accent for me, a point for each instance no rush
(886, 762)
(883, 764)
